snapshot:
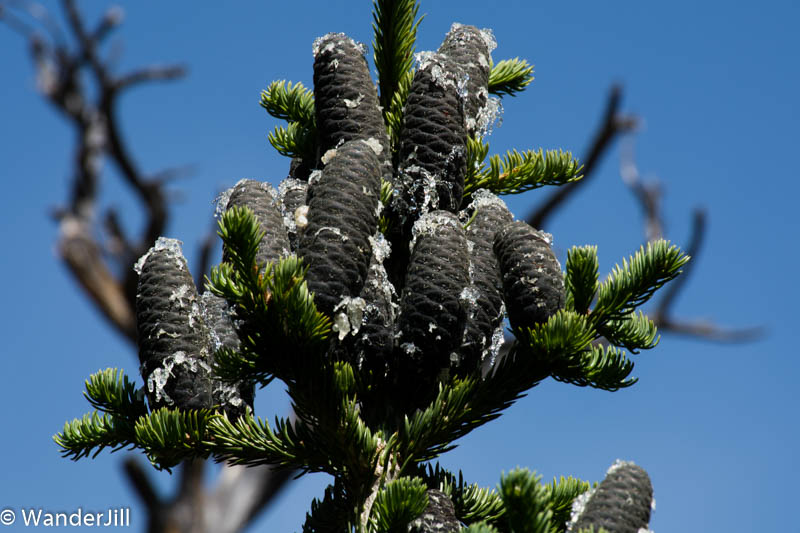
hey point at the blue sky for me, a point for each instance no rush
(715, 85)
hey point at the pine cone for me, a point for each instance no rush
(292, 195)
(299, 169)
(439, 516)
(621, 503)
(374, 339)
(262, 199)
(432, 153)
(173, 338)
(533, 284)
(469, 49)
(433, 305)
(233, 398)
(345, 99)
(342, 215)
(484, 328)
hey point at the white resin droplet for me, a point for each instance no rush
(171, 246)
(376, 146)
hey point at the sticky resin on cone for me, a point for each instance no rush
(232, 398)
(433, 306)
(345, 99)
(263, 200)
(470, 49)
(621, 503)
(292, 195)
(484, 332)
(533, 284)
(438, 517)
(370, 318)
(173, 337)
(432, 152)
(343, 209)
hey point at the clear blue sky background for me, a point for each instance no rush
(716, 85)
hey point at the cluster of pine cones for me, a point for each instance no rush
(422, 299)
(414, 302)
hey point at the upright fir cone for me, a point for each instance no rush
(484, 328)
(470, 49)
(232, 398)
(620, 504)
(533, 284)
(345, 99)
(438, 517)
(432, 153)
(292, 196)
(433, 304)
(342, 216)
(300, 169)
(262, 199)
(373, 337)
(173, 338)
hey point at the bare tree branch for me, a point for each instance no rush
(140, 481)
(613, 124)
(648, 197)
(93, 250)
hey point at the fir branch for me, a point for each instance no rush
(517, 172)
(241, 235)
(93, 433)
(631, 285)
(581, 278)
(635, 332)
(562, 494)
(510, 76)
(233, 366)
(398, 503)
(463, 405)
(272, 300)
(395, 25)
(324, 399)
(290, 102)
(295, 140)
(600, 367)
(431, 431)
(477, 150)
(471, 502)
(169, 436)
(251, 441)
(480, 527)
(393, 117)
(527, 502)
(564, 334)
(111, 392)
(328, 514)
(291, 310)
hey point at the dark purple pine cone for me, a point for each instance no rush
(373, 342)
(620, 504)
(342, 216)
(233, 398)
(262, 199)
(173, 338)
(533, 284)
(434, 300)
(345, 99)
(432, 153)
(484, 331)
(299, 169)
(469, 48)
(439, 516)
(292, 195)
